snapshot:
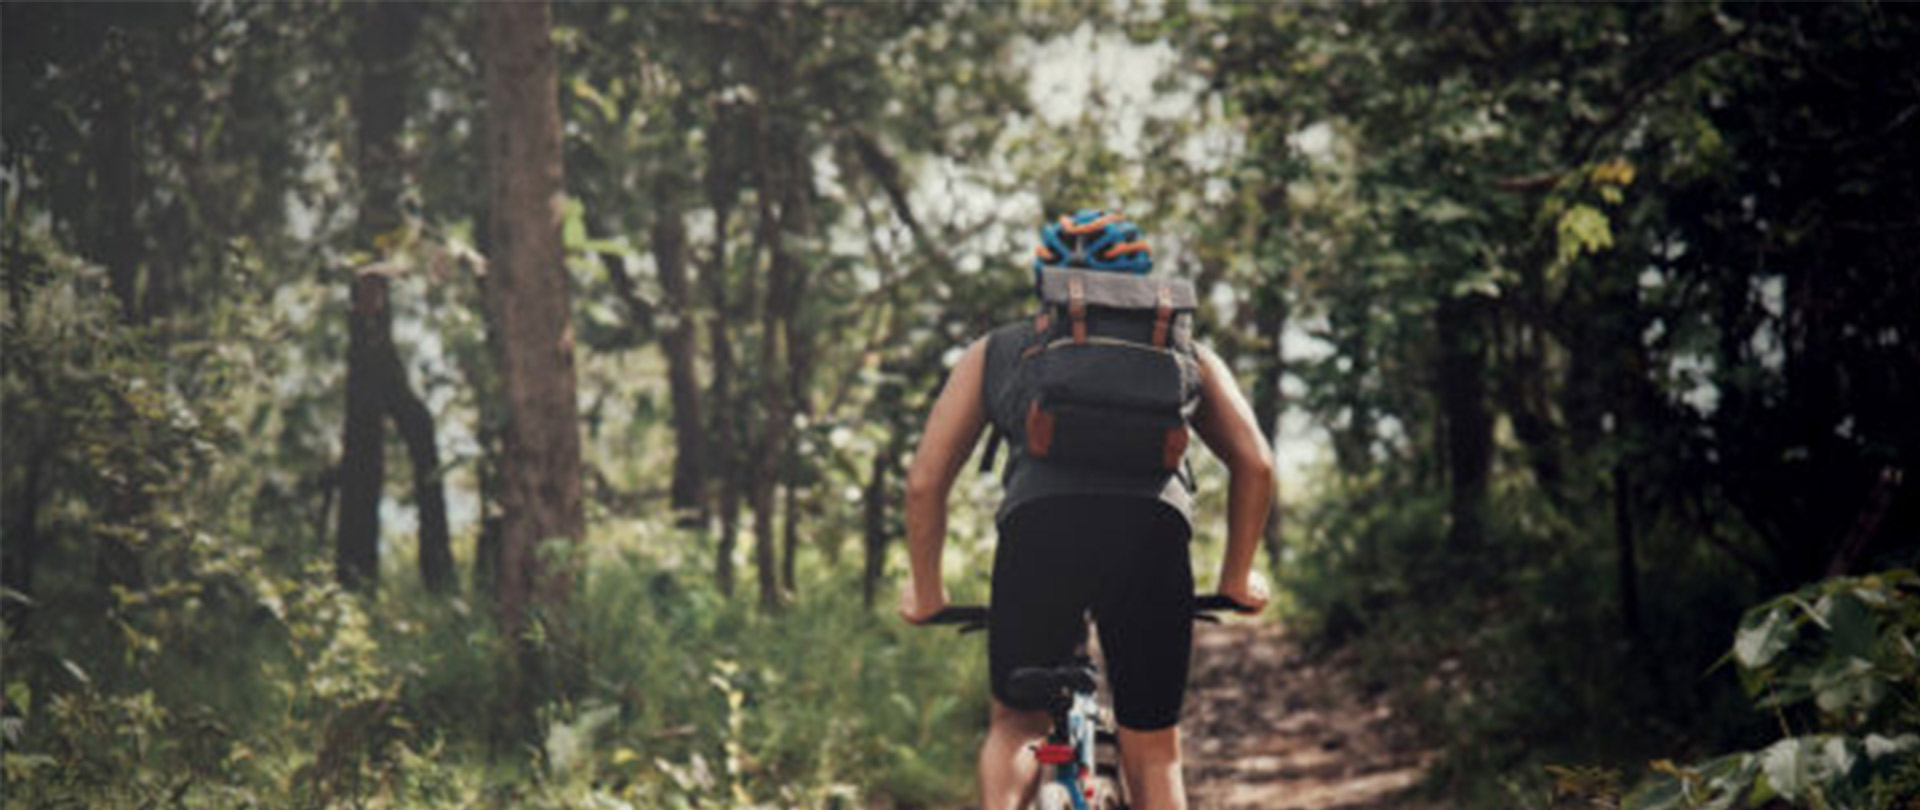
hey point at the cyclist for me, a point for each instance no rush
(1074, 540)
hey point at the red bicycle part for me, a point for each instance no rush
(1053, 753)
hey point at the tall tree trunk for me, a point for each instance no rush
(118, 163)
(1462, 386)
(874, 501)
(725, 456)
(1269, 401)
(790, 538)
(1626, 569)
(669, 238)
(385, 39)
(783, 208)
(415, 424)
(527, 297)
(21, 551)
(356, 551)
(723, 190)
(483, 374)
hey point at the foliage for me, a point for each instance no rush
(1838, 664)
(1596, 319)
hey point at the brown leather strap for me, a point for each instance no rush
(1162, 316)
(1077, 308)
(1172, 449)
(1039, 430)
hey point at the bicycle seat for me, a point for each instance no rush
(1049, 684)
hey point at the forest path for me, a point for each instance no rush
(1269, 726)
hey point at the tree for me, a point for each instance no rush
(527, 292)
(377, 386)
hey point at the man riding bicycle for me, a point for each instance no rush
(1087, 494)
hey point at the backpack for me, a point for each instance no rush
(1106, 378)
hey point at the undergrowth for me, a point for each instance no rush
(325, 699)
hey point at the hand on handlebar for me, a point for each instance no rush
(1251, 595)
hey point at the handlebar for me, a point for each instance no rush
(970, 617)
(973, 618)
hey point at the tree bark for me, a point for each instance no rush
(725, 456)
(782, 197)
(21, 552)
(790, 538)
(377, 379)
(483, 374)
(1269, 401)
(119, 166)
(415, 424)
(1469, 426)
(528, 301)
(356, 554)
(874, 502)
(669, 239)
(1626, 569)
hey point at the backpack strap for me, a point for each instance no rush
(1162, 315)
(1077, 308)
(994, 440)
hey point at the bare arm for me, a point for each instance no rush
(1226, 424)
(952, 428)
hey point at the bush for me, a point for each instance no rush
(1837, 663)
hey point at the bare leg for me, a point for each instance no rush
(1151, 762)
(1008, 771)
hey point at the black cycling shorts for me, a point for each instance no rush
(1122, 558)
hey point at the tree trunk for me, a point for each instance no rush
(1469, 425)
(669, 238)
(415, 424)
(21, 552)
(725, 455)
(874, 521)
(483, 374)
(356, 553)
(377, 379)
(790, 538)
(782, 198)
(1269, 402)
(723, 191)
(1626, 569)
(527, 297)
(118, 163)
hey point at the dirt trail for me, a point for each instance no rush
(1269, 727)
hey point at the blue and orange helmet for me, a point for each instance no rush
(1093, 240)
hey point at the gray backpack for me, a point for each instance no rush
(1107, 376)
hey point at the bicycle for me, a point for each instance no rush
(1070, 693)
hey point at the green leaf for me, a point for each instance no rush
(1762, 636)
(1853, 626)
(1841, 685)
(77, 673)
(1665, 791)
(1785, 768)
(1879, 746)
(1583, 229)
(1799, 767)
(1446, 212)
(573, 228)
(1728, 779)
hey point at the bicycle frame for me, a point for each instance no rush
(1069, 747)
